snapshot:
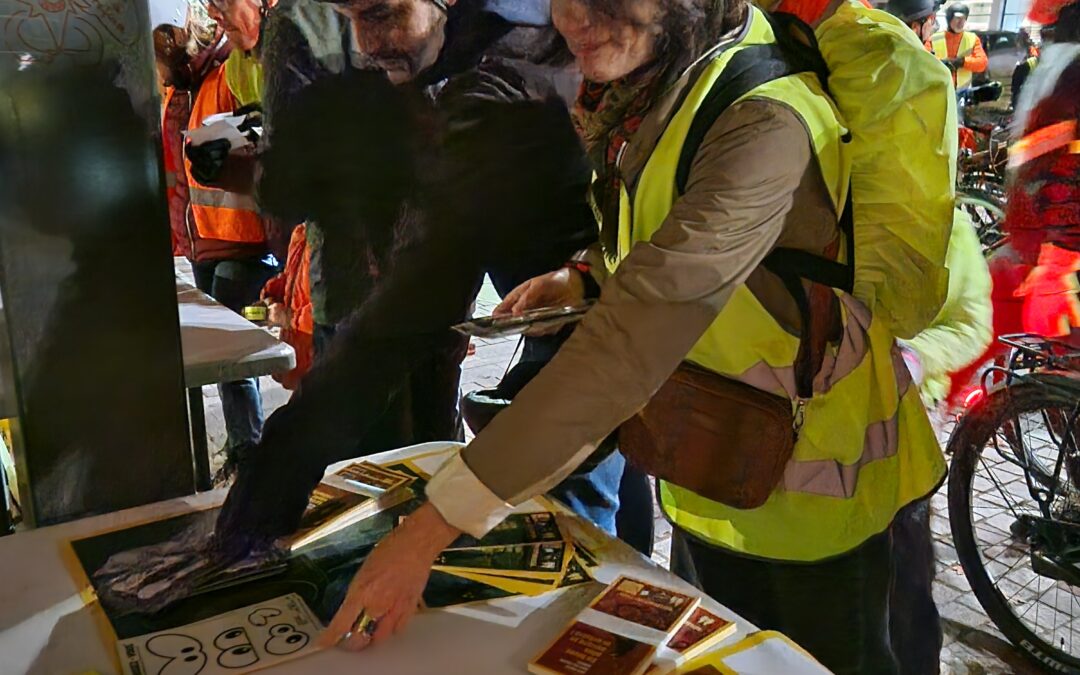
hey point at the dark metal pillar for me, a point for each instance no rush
(86, 272)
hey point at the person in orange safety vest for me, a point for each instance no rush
(232, 258)
(960, 50)
(288, 295)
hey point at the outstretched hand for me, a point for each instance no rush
(388, 587)
(561, 288)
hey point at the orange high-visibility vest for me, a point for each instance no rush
(220, 214)
(968, 40)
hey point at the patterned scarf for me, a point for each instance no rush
(607, 115)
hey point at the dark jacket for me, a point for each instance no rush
(306, 40)
(457, 175)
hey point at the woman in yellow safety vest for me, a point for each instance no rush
(680, 267)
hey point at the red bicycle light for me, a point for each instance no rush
(973, 398)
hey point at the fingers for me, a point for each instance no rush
(395, 622)
(386, 625)
(511, 299)
(346, 616)
(357, 642)
(530, 299)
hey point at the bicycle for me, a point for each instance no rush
(981, 166)
(987, 213)
(1014, 498)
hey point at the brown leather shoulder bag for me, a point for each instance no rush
(723, 439)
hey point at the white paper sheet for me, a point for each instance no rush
(773, 655)
(247, 639)
(222, 126)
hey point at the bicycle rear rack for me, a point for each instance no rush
(1031, 354)
(1035, 352)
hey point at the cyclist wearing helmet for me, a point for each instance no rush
(960, 50)
(919, 15)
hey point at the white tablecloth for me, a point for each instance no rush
(46, 628)
(218, 344)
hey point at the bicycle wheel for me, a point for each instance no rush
(987, 214)
(988, 494)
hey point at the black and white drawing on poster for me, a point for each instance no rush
(246, 639)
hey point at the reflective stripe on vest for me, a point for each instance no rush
(962, 77)
(866, 447)
(1042, 142)
(222, 199)
(218, 214)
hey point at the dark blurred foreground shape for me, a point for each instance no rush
(94, 372)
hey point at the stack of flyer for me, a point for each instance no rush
(633, 627)
(526, 554)
(348, 496)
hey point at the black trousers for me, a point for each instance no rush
(914, 622)
(867, 611)
(634, 520)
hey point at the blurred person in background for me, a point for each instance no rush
(232, 257)
(961, 50)
(184, 57)
(919, 15)
(963, 329)
(288, 300)
(1043, 213)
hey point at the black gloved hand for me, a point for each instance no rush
(207, 160)
(252, 125)
(248, 109)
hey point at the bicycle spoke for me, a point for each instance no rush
(1022, 588)
(1020, 490)
(1010, 571)
(1001, 490)
(1038, 603)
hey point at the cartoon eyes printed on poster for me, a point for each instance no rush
(185, 654)
(236, 649)
(285, 639)
(262, 616)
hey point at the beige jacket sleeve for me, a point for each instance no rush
(654, 308)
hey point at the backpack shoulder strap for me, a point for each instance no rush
(795, 51)
(748, 69)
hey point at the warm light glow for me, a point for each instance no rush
(973, 397)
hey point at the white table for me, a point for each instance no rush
(218, 345)
(46, 627)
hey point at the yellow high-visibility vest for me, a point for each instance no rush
(963, 76)
(866, 447)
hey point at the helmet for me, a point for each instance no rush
(1045, 12)
(912, 10)
(958, 8)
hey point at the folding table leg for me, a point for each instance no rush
(199, 445)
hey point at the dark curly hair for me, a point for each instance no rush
(687, 27)
(172, 49)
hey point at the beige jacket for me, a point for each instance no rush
(754, 185)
